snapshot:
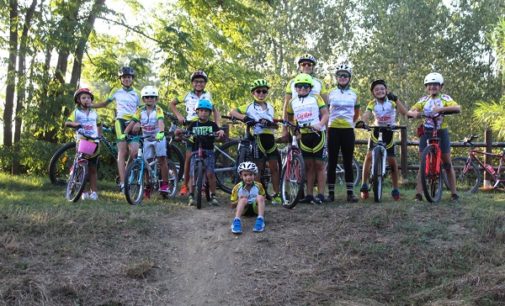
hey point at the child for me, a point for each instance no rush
(248, 197)
(203, 126)
(384, 108)
(150, 116)
(261, 112)
(87, 122)
(199, 80)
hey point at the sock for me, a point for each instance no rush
(331, 189)
(349, 187)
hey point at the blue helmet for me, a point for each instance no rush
(204, 104)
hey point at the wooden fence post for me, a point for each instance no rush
(488, 139)
(404, 153)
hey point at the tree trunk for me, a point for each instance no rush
(11, 72)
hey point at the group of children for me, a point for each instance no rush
(328, 119)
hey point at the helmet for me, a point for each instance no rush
(247, 166)
(126, 71)
(434, 77)
(81, 91)
(304, 78)
(259, 83)
(307, 58)
(344, 67)
(204, 104)
(378, 82)
(149, 91)
(199, 74)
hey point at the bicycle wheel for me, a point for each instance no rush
(199, 183)
(292, 181)
(377, 178)
(173, 178)
(60, 163)
(468, 177)
(431, 176)
(134, 182)
(226, 166)
(77, 181)
(177, 158)
(356, 171)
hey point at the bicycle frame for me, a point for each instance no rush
(495, 175)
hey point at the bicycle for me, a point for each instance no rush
(245, 149)
(137, 181)
(379, 159)
(79, 170)
(432, 176)
(468, 169)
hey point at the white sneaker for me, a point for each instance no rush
(85, 196)
(93, 196)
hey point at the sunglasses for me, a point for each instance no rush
(149, 97)
(343, 75)
(306, 64)
(304, 86)
(199, 81)
(261, 91)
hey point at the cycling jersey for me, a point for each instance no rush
(384, 113)
(318, 88)
(343, 103)
(149, 119)
(88, 120)
(240, 190)
(203, 128)
(258, 110)
(306, 110)
(427, 103)
(191, 100)
(127, 102)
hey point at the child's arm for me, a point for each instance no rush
(217, 115)
(401, 108)
(234, 113)
(366, 116)
(72, 124)
(99, 129)
(173, 107)
(129, 127)
(101, 104)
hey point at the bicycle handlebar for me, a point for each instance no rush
(270, 124)
(385, 128)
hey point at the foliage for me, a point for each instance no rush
(492, 114)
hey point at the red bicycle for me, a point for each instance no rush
(468, 169)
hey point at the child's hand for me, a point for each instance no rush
(220, 133)
(160, 135)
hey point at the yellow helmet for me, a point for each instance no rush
(304, 78)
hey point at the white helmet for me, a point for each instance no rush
(434, 77)
(247, 166)
(149, 91)
(344, 67)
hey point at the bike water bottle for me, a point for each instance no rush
(490, 169)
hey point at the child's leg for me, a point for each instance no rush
(394, 171)
(366, 168)
(211, 179)
(187, 162)
(321, 176)
(274, 170)
(92, 177)
(310, 175)
(260, 201)
(162, 160)
(242, 202)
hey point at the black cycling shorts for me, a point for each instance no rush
(312, 145)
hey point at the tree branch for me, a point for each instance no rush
(130, 28)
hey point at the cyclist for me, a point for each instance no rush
(151, 119)
(344, 111)
(383, 108)
(310, 110)
(127, 101)
(87, 121)
(432, 104)
(248, 196)
(261, 114)
(203, 126)
(199, 80)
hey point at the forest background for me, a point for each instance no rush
(51, 47)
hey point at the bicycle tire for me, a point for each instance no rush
(176, 156)
(377, 178)
(76, 181)
(295, 178)
(226, 166)
(134, 183)
(173, 178)
(199, 183)
(58, 169)
(431, 178)
(467, 175)
(340, 176)
(356, 170)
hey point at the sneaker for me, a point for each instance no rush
(85, 196)
(184, 190)
(276, 199)
(93, 196)
(364, 191)
(330, 198)
(318, 200)
(351, 198)
(395, 193)
(418, 197)
(191, 201)
(454, 198)
(164, 187)
(213, 201)
(236, 226)
(259, 226)
(308, 199)
(121, 188)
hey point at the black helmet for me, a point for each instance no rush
(126, 71)
(378, 82)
